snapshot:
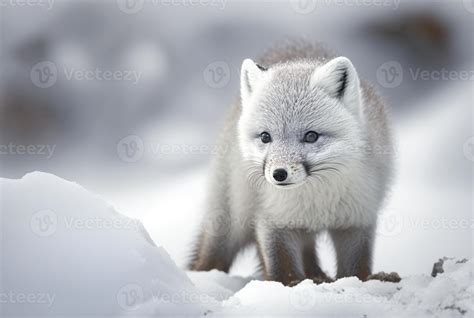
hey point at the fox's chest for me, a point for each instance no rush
(318, 210)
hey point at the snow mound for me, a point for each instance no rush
(217, 284)
(447, 295)
(66, 252)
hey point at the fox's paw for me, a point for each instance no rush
(295, 282)
(323, 278)
(392, 277)
(317, 280)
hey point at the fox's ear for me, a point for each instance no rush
(250, 75)
(340, 80)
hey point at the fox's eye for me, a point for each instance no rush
(265, 137)
(311, 137)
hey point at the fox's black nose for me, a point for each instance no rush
(280, 175)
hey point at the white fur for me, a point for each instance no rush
(287, 100)
(250, 76)
(337, 183)
(329, 201)
(328, 75)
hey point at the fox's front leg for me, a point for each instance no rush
(280, 251)
(353, 251)
(215, 248)
(211, 253)
(310, 260)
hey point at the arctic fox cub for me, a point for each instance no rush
(308, 149)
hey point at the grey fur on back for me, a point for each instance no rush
(295, 50)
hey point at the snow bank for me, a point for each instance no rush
(447, 295)
(66, 252)
(217, 284)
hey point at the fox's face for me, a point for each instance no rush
(300, 121)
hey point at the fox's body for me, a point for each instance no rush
(278, 187)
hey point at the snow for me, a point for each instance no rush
(447, 295)
(429, 212)
(217, 284)
(65, 251)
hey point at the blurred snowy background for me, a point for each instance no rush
(126, 98)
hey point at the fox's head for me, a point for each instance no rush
(300, 121)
